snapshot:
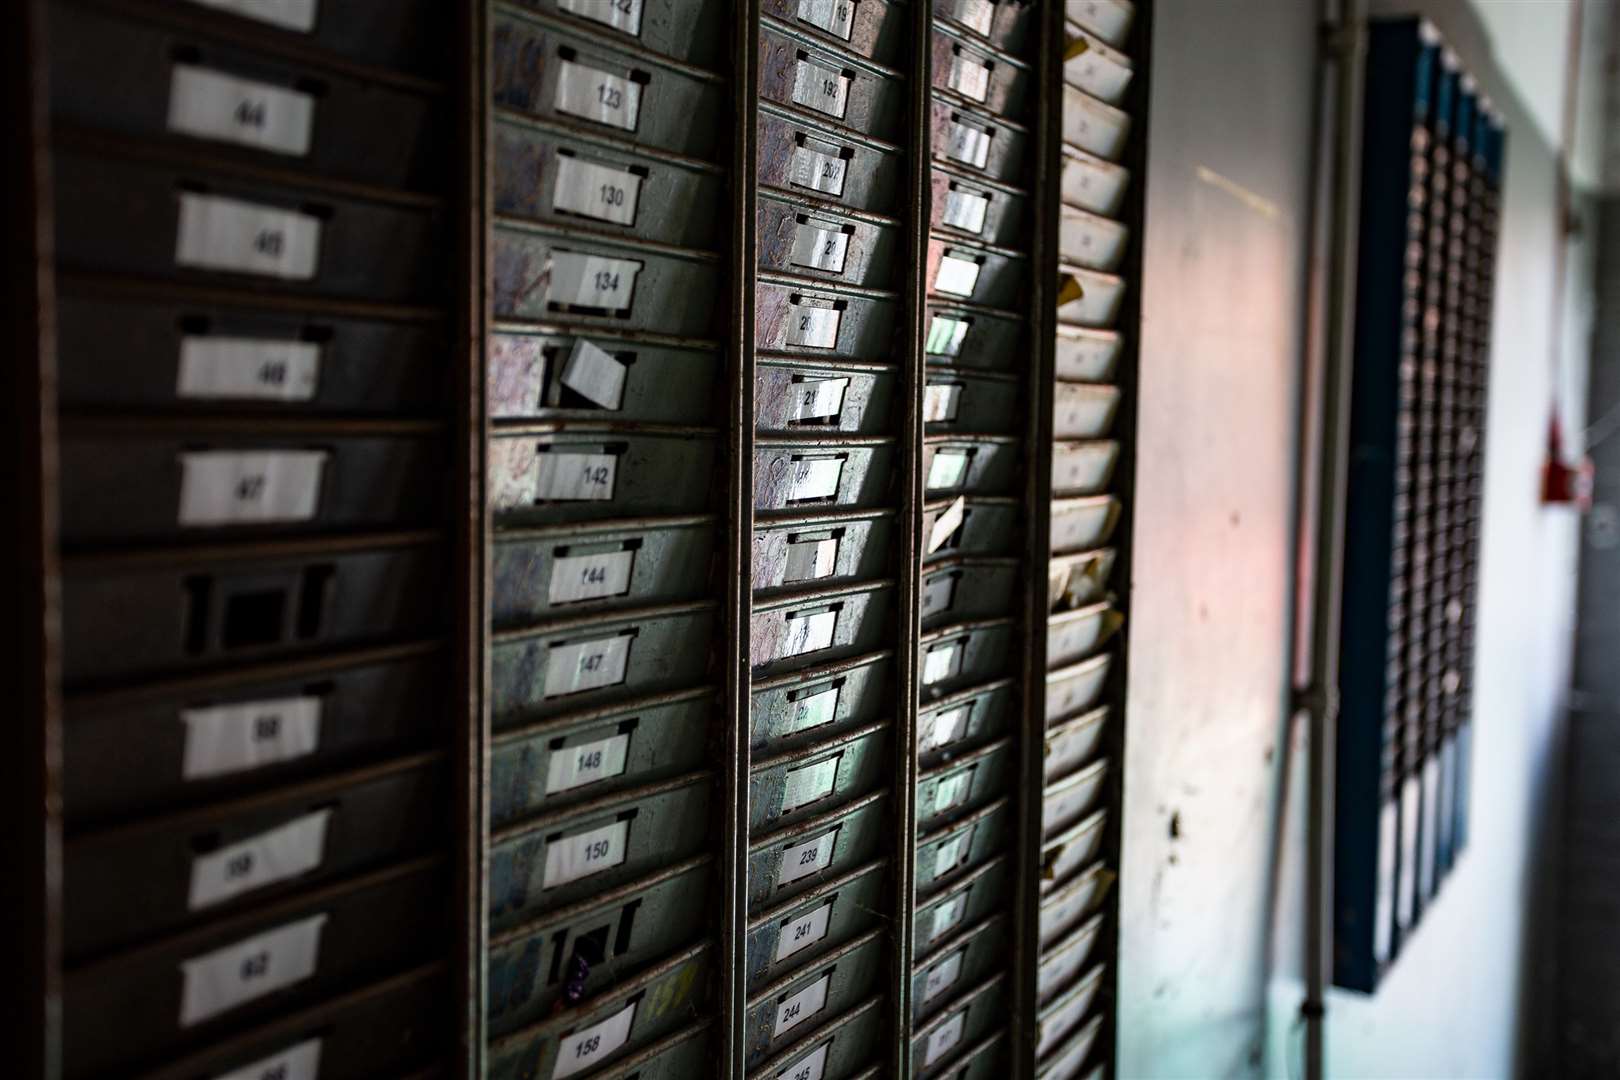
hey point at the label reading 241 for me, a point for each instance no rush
(804, 931)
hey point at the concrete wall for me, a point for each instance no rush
(1211, 911)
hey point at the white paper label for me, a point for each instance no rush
(945, 335)
(957, 276)
(809, 632)
(248, 368)
(1384, 901)
(943, 975)
(948, 469)
(819, 245)
(1406, 881)
(583, 1049)
(947, 917)
(943, 1039)
(815, 478)
(212, 105)
(590, 577)
(952, 791)
(217, 233)
(813, 327)
(949, 726)
(288, 14)
(575, 477)
(224, 487)
(806, 857)
(821, 88)
(965, 210)
(595, 95)
(968, 144)
(937, 594)
(300, 1062)
(975, 14)
(591, 281)
(813, 710)
(594, 374)
(818, 166)
(575, 766)
(969, 77)
(225, 739)
(219, 981)
(809, 783)
(949, 520)
(622, 15)
(587, 665)
(570, 858)
(803, 932)
(837, 17)
(818, 398)
(940, 401)
(285, 852)
(942, 662)
(809, 1067)
(602, 192)
(811, 560)
(802, 1006)
(949, 855)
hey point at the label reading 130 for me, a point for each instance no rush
(602, 192)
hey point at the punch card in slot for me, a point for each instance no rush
(799, 932)
(965, 209)
(970, 74)
(819, 244)
(811, 556)
(573, 667)
(582, 854)
(249, 969)
(947, 916)
(220, 107)
(805, 857)
(816, 479)
(575, 475)
(946, 334)
(948, 726)
(601, 97)
(819, 165)
(809, 631)
(591, 571)
(943, 533)
(835, 17)
(296, 15)
(952, 791)
(621, 15)
(597, 190)
(250, 487)
(943, 661)
(968, 143)
(949, 468)
(793, 1009)
(218, 368)
(592, 284)
(958, 273)
(821, 85)
(813, 321)
(812, 707)
(817, 400)
(594, 374)
(582, 1049)
(943, 975)
(940, 402)
(577, 761)
(219, 233)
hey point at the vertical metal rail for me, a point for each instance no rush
(470, 623)
(1344, 44)
(908, 610)
(739, 515)
(32, 848)
(1038, 536)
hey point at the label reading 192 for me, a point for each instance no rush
(821, 88)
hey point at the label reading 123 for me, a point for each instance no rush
(598, 96)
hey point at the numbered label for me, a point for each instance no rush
(806, 857)
(796, 1009)
(571, 858)
(945, 335)
(296, 15)
(836, 17)
(575, 766)
(581, 1050)
(597, 96)
(560, 477)
(590, 577)
(943, 975)
(809, 784)
(212, 105)
(949, 855)
(810, 1067)
(949, 727)
(945, 526)
(938, 593)
(624, 15)
(808, 632)
(969, 77)
(956, 275)
(602, 192)
(812, 710)
(975, 14)
(300, 1062)
(966, 210)
(1106, 18)
(943, 1039)
(217, 368)
(217, 233)
(591, 281)
(940, 401)
(587, 665)
(813, 327)
(1384, 905)
(948, 469)
(819, 245)
(283, 853)
(815, 478)
(230, 487)
(947, 917)
(236, 974)
(804, 931)
(594, 374)
(942, 662)
(952, 791)
(824, 89)
(968, 144)
(811, 560)
(225, 739)
(819, 166)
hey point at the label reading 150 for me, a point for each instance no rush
(592, 190)
(570, 858)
